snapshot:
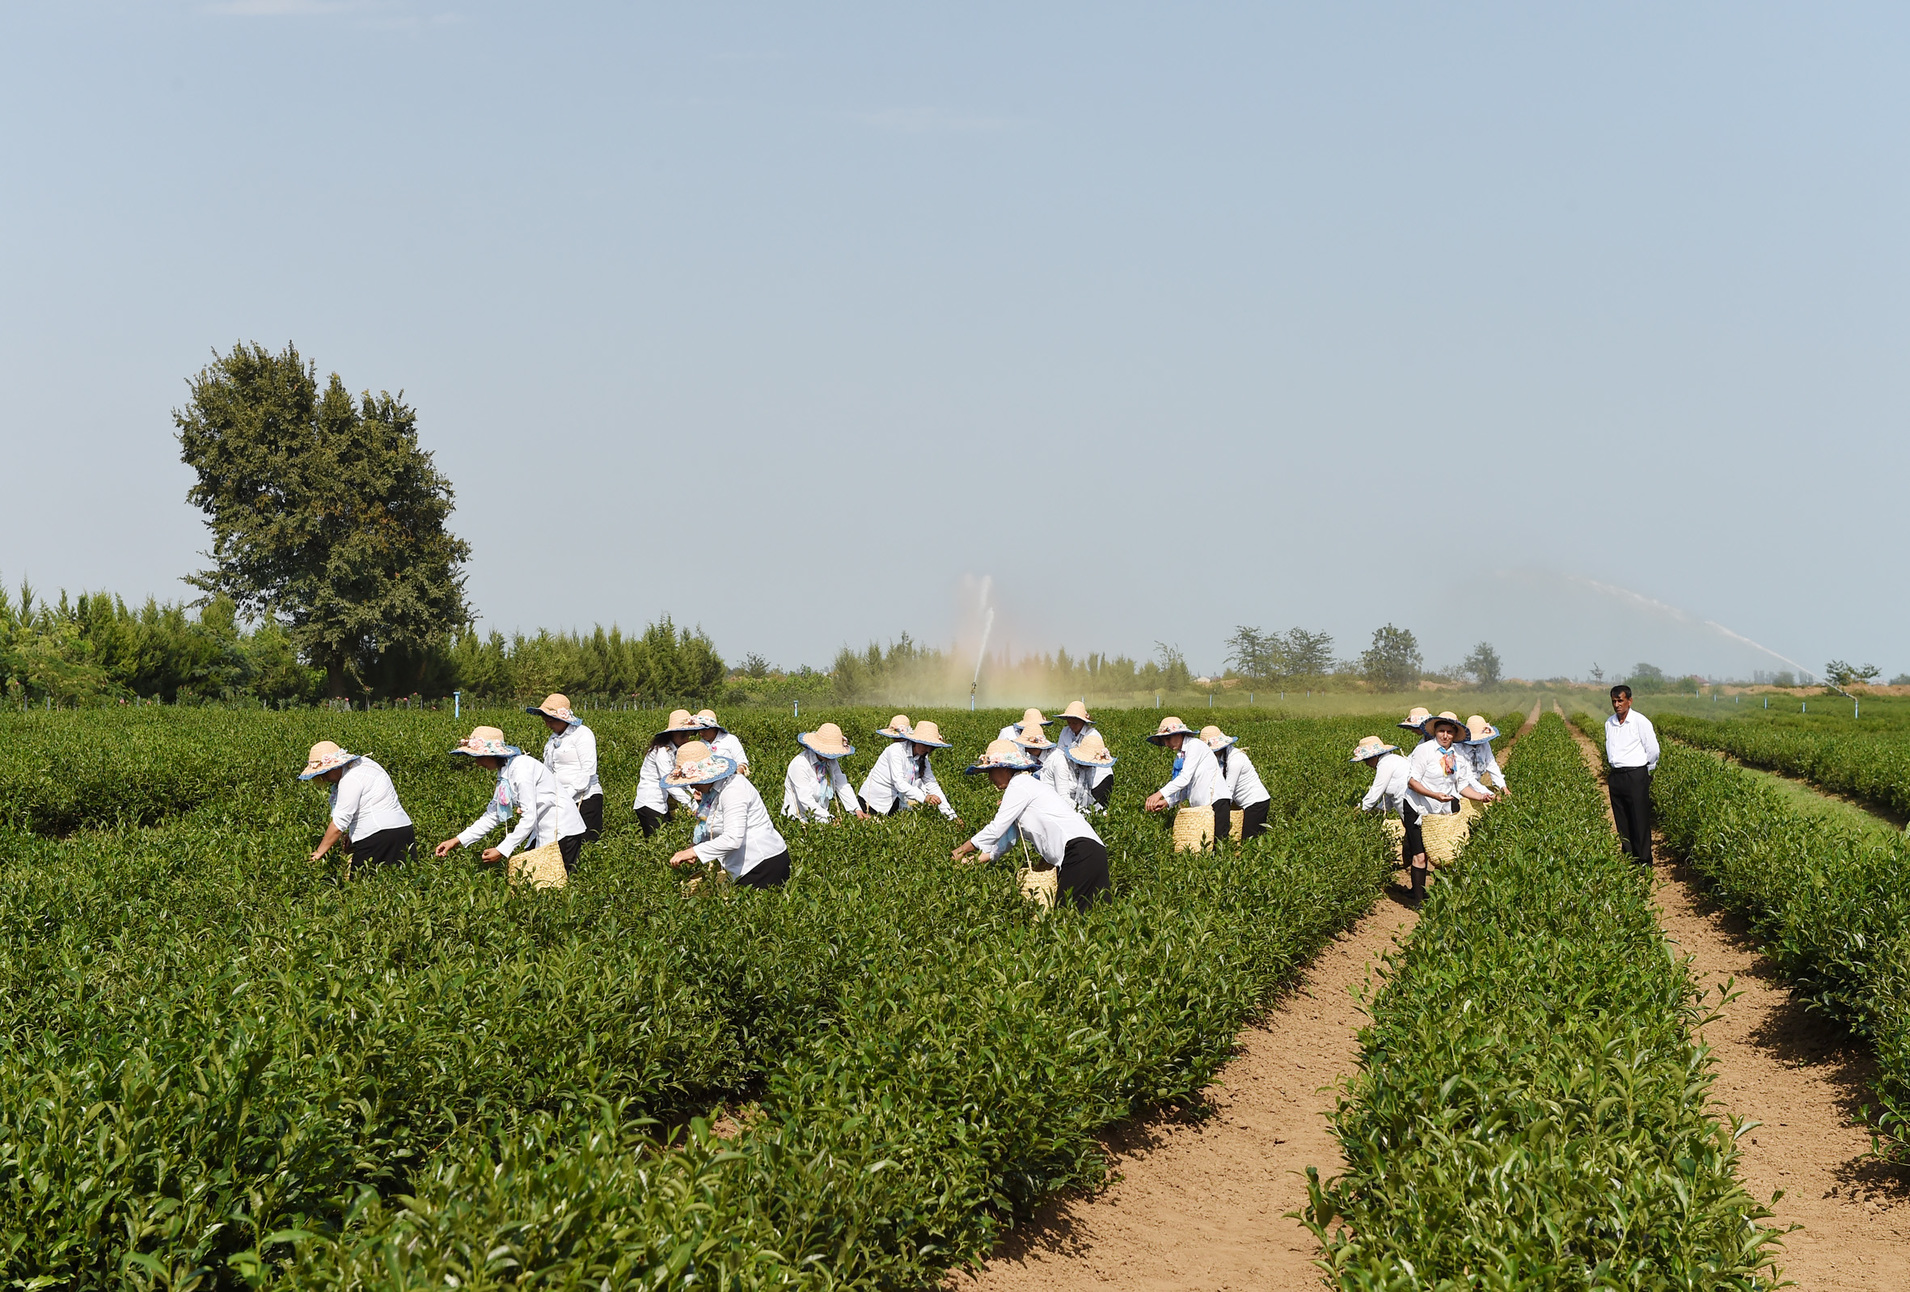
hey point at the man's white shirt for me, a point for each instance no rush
(1631, 743)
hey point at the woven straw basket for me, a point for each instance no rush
(1194, 827)
(1041, 887)
(540, 868)
(1444, 835)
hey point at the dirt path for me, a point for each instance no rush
(1804, 1081)
(1201, 1204)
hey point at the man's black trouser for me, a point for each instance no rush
(1631, 810)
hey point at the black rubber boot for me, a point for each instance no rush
(1419, 884)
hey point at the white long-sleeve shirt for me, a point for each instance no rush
(740, 835)
(1631, 743)
(1240, 780)
(1065, 739)
(1429, 766)
(651, 790)
(809, 785)
(1484, 763)
(571, 756)
(1198, 784)
(731, 748)
(545, 813)
(365, 802)
(1045, 819)
(1389, 784)
(899, 774)
(1057, 773)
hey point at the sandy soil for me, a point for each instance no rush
(1203, 1203)
(1803, 1080)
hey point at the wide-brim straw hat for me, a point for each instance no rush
(927, 733)
(681, 720)
(486, 742)
(1031, 736)
(1480, 731)
(1431, 724)
(898, 728)
(554, 706)
(326, 757)
(1215, 738)
(1075, 709)
(696, 765)
(706, 719)
(1170, 726)
(826, 741)
(1002, 755)
(1033, 718)
(1415, 720)
(1371, 747)
(1091, 751)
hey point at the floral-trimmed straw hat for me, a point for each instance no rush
(1003, 755)
(706, 718)
(1416, 720)
(826, 741)
(1371, 747)
(1076, 709)
(681, 720)
(326, 757)
(1170, 726)
(1215, 738)
(554, 706)
(1430, 725)
(1091, 751)
(898, 728)
(1033, 718)
(1480, 731)
(696, 765)
(1031, 735)
(927, 733)
(486, 742)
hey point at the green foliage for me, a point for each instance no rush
(1867, 766)
(1280, 656)
(226, 1065)
(1839, 673)
(1393, 660)
(663, 663)
(1483, 665)
(1531, 1110)
(1828, 904)
(325, 513)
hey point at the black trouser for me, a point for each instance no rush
(1414, 842)
(1103, 792)
(1084, 871)
(569, 847)
(650, 819)
(1223, 819)
(1256, 819)
(386, 848)
(592, 811)
(1631, 810)
(769, 873)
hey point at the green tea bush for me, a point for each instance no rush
(225, 1066)
(1531, 1108)
(1871, 767)
(1828, 904)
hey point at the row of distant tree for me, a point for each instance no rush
(1392, 662)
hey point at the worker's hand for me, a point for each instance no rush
(933, 800)
(678, 858)
(962, 849)
(319, 855)
(1155, 802)
(954, 820)
(862, 816)
(444, 849)
(491, 854)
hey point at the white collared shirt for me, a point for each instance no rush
(1240, 780)
(365, 802)
(811, 782)
(731, 748)
(740, 834)
(545, 813)
(1631, 743)
(1428, 766)
(571, 756)
(1057, 773)
(1046, 820)
(899, 774)
(1199, 781)
(1067, 739)
(1389, 784)
(1485, 763)
(651, 790)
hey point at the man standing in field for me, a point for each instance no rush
(1631, 751)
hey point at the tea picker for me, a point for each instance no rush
(1240, 785)
(903, 776)
(1072, 861)
(734, 835)
(547, 818)
(1075, 725)
(815, 776)
(655, 800)
(722, 741)
(364, 808)
(1196, 779)
(571, 756)
(1438, 777)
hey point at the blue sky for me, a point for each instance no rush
(1574, 330)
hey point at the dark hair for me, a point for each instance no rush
(1621, 689)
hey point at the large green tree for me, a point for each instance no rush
(325, 514)
(1393, 661)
